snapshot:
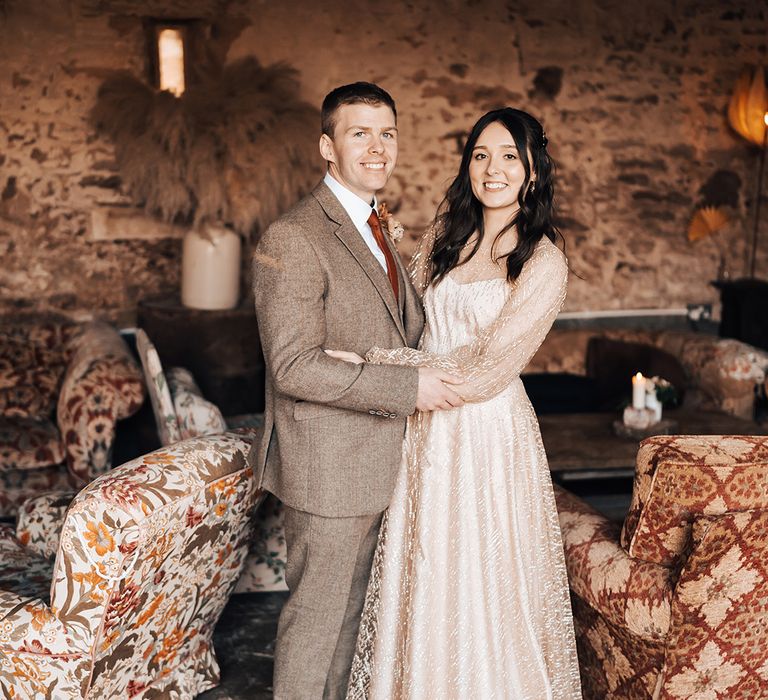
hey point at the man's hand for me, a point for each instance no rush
(433, 394)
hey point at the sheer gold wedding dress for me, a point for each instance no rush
(468, 597)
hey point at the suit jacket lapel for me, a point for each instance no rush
(353, 241)
(406, 288)
(410, 304)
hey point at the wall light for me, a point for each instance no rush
(748, 116)
(170, 52)
(169, 55)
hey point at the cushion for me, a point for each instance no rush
(561, 393)
(31, 343)
(680, 477)
(32, 363)
(613, 362)
(28, 392)
(29, 443)
(195, 416)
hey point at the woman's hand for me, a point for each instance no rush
(352, 357)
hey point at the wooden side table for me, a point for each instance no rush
(220, 348)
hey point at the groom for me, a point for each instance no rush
(326, 277)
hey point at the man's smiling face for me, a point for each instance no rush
(363, 151)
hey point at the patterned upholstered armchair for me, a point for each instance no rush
(675, 605)
(181, 412)
(63, 387)
(148, 556)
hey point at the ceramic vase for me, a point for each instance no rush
(210, 268)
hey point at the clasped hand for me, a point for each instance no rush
(352, 357)
(434, 392)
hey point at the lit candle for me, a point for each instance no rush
(638, 391)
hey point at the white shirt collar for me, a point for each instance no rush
(358, 209)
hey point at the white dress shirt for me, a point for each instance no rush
(358, 210)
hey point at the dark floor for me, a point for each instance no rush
(244, 641)
(244, 637)
(611, 495)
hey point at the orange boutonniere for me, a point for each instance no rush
(392, 226)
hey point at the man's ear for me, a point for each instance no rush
(326, 148)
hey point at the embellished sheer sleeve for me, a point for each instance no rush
(495, 358)
(420, 267)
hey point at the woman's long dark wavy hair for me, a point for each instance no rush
(461, 213)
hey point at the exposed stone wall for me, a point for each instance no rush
(632, 96)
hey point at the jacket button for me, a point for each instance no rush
(393, 415)
(379, 413)
(371, 411)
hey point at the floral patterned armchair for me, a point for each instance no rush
(181, 412)
(82, 373)
(148, 556)
(675, 605)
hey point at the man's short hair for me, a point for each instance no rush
(354, 93)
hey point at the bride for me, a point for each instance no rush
(468, 595)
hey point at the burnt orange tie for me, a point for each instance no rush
(378, 234)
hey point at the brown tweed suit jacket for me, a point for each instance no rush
(333, 432)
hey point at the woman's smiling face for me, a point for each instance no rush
(495, 170)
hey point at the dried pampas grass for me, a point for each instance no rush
(238, 148)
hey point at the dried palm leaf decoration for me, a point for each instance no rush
(705, 222)
(239, 147)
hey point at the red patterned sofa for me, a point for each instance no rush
(675, 604)
(63, 387)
